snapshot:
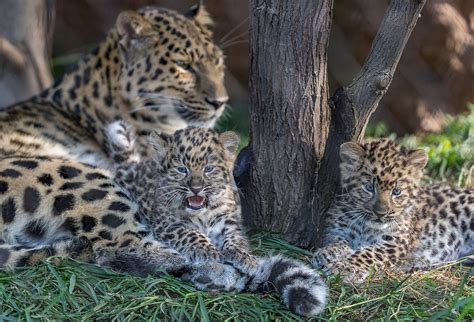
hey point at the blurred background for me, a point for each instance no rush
(432, 87)
(435, 75)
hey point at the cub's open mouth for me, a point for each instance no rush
(195, 202)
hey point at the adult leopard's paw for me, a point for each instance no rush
(120, 143)
(216, 277)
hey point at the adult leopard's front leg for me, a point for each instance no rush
(12, 256)
(129, 254)
(120, 143)
(140, 257)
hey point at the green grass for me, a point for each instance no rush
(70, 290)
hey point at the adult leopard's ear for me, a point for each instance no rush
(199, 14)
(418, 158)
(160, 143)
(230, 140)
(351, 153)
(135, 32)
(133, 25)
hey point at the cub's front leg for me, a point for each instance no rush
(237, 253)
(357, 267)
(189, 242)
(234, 245)
(331, 253)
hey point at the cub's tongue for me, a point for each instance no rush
(195, 202)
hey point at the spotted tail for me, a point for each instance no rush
(300, 287)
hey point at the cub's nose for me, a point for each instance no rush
(196, 189)
(217, 102)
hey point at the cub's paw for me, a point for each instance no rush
(411, 264)
(202, 254)
(350, 273)
(242, 260)
(216, 277)
(332, 253)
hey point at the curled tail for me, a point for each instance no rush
(300, 287)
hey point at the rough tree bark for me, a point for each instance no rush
(25, 41)
(289, 171)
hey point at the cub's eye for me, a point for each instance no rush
(396, 191)
(182, 170)
(208, 169)
(184, 65)
(369, 187)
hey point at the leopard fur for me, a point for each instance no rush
(385, 218)
(58, 207)
(157, 69)
(188, 195)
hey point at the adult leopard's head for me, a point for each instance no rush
(196, 169)
(172, 72)
(381, 177)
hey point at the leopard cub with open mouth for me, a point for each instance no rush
(188, 197)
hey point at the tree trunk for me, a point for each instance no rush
(25, 42)
(289, 172)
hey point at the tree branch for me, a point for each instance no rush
(289, 172)
(373, 80)
(11, 53)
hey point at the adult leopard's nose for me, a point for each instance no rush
(217, 102)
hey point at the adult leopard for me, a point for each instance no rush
(157, 70)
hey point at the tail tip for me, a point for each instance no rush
(301, 288)
(306, 301)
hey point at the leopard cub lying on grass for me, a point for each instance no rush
(187, 195)
(385, 218)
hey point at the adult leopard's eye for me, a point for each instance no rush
(208, 169)
(182, 170)
(369, 187)
(182, 64)
(396, 191)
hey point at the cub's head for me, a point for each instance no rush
(195, 169)
(172, 72)
(381, 177)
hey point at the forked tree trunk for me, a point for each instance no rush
(289, 172)
(25, 42)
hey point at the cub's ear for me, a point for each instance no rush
(199, 14)
(132, 25)
(230, 140)
(351, 153)
(160, 143)
(418, 158)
